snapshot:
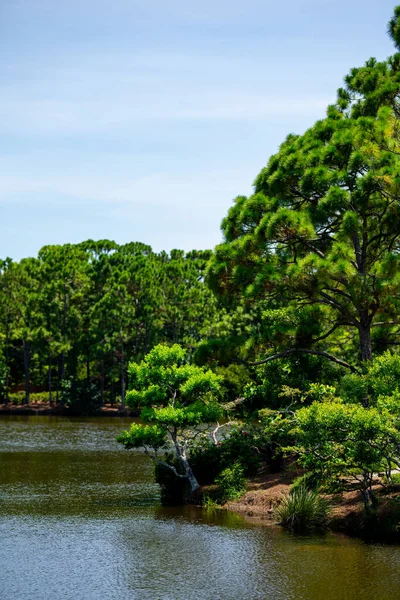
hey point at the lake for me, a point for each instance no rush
(81, 519)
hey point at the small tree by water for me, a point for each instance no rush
(177, 400)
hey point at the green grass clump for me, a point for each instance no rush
(210, 504)
(231, 483)
(303, 509)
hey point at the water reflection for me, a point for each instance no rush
(81, 518)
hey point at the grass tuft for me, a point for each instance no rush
(303, 509)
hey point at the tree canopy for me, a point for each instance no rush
(321, 231)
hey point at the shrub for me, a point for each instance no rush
(16, 397)
(303, 509)
(384, 374)
(244, 445)
(19, 397)
(309, 480)
(207, 461)
(381, 378)
(209, 503)
(231, 483)
(383, 523)
(43, 397)
(81, 396)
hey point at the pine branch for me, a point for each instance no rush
(322, 353)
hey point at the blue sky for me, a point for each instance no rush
(142, 120)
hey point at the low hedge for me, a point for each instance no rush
(20, 397)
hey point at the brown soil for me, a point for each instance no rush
(265, 492)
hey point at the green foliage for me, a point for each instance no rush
(210, 504)
(85, 311)
(380, 378)
(231, 483)
(274, 383)
(20, 397)
(3, 379)
(172, 392)
(309, 481)
(244, 445)
(247, 446)
(320, 236)
(176, 398)
(335, 439)
(234, 378)
(383, 375)
(82, 397)
(395, 479)
(354, 388)
(278, 433)
(303, 509)
(143, 436)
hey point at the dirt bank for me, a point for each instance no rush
(347, 514)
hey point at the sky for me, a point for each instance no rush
(142, 120)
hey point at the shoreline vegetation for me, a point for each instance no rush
(265, 491)
(347, 514)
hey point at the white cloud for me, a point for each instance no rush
(203, 188)
(116, 92)
(113, 115)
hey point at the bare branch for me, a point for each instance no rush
(218, 427)
(330, 357)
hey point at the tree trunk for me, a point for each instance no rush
(194, 484)
(64, 327)
(364, 332)
(27, 370)
(58, 380)
(112, 392)
(122, 377)
(369, 498)
(62, 366)
(137, 339)
(181, 455)
(49, 381)
(102, 381)
(7, 359)
(146, 339)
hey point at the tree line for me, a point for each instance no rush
(73, 318)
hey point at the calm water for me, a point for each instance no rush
(80, 519)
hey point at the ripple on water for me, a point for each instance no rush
(80, 519)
